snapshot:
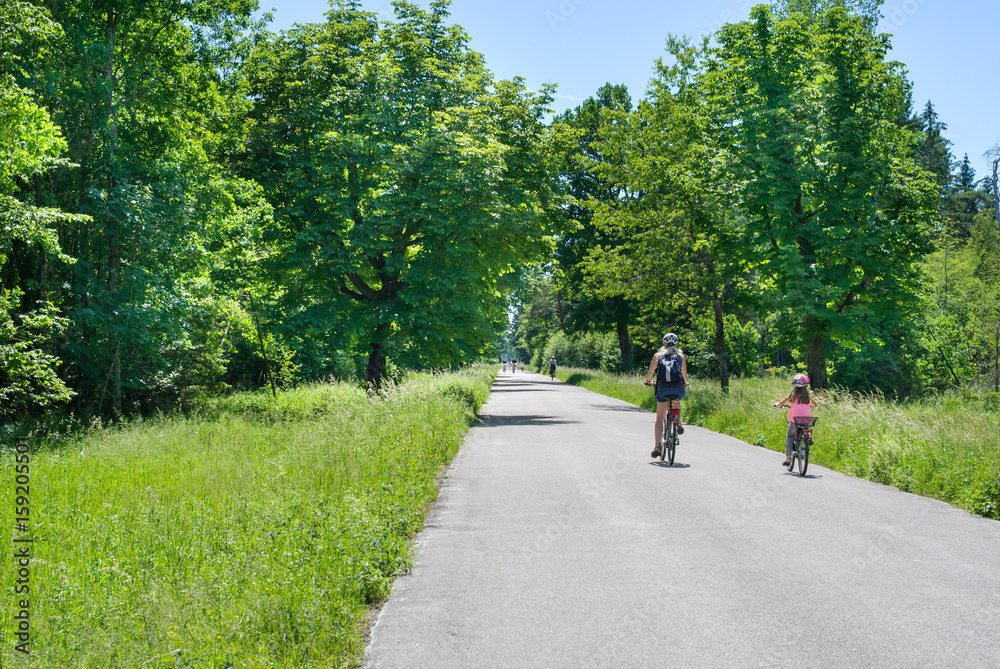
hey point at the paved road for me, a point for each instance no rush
(557, 542)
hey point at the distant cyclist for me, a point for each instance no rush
(513, 366)
(505, 365)
(669, 366)
(552, 367)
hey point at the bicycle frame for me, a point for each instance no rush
(801, 443)
(803, 429)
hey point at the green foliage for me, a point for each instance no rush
(583, 161)
(390, 152)
(589, 350)
(157, 202)
(807, 111)
(256, 532)
(28, 377)
(742, 347)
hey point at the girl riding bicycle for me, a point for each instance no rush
(800, 407)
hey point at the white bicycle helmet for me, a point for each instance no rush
(670, 339)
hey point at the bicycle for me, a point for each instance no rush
(669, 440)
(552, 372)
(668, 444)
(800, 445)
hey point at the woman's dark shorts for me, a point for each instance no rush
(672, 393)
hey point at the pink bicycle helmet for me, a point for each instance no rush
(800, 380)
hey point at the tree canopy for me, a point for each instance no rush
(193, 204)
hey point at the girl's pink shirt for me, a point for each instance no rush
(799, 410)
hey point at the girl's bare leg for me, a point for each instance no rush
(661, 417)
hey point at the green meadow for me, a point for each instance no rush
(945, 447)
(254, 532)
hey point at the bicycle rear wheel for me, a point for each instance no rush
(671, 443)
(803, 459)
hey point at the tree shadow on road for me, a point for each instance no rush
(507, 421)
(523, 389)
(628, 408)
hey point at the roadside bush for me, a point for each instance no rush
(742, 347)
(588, 350)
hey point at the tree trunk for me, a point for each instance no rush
(376, 359)
(114, 264)
(720, 343)
(376, 366)
(42, 255)
(116, 385)
(816, 363)
(562, 321)
(995, 182)
(624, 342)
(113, 228)
(263, 353)
(996, 360)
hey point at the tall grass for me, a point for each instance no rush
(945, 447)
(255, 533)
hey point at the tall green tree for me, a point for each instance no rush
(407, 182)
(963, 201)
(30, 146)
(807, 111)
(680, 244)
(934, 151)
(868, 9)
(580, 170)
(141, 92)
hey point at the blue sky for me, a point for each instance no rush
(583, 44)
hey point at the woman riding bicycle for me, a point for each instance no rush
(669, 392)
(552, 367)
(800, 406)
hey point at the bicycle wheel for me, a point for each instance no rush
(795, 455)
(671, 443)
(665, 442)
(804, 459)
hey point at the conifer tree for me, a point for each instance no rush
(966, 177)
(934, 153)
(962, 203)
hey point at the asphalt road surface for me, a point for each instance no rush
(558, 542)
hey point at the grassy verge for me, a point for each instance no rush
(945, 448)
(257, 533)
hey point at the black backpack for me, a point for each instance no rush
(668, 370)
